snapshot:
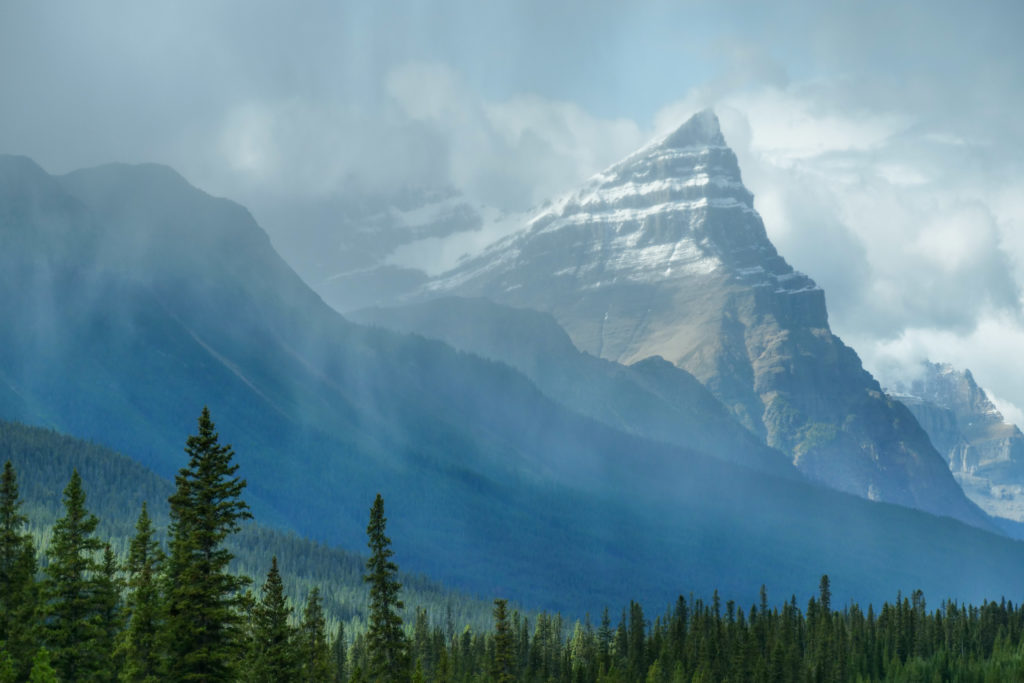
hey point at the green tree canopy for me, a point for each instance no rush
(503, 669)
(274, 657)
(202, 625)
(71, 590)
(313, 647)
(139, 645)
(385, 639)
(18, 594)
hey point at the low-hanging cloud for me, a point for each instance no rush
(515, 153)
(882, 140)
(911, 231)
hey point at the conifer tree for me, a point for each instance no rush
(273, 638)
(109, 616)
(339, 649)
(825, 595)
(7, 672)
(620, 646)
(42, 669)
(357, 659)
(503, 667)
(421, 650)
(18, 590)
(70, 589)
(313, 649)
(635, 644)
(202, 626)
(385, 640)
(139, 640)
(604, 641)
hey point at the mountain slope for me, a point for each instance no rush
(132, 299)
(651, 398)
(663, 254)
(985, 453)
(176, 299)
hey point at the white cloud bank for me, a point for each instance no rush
(920, 254)
(882, 140)
(514, 153)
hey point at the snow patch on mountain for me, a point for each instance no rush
(643, 220)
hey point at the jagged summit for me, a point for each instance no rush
(689, 167)
(675, 209)
(700, 130)
(663, 254)
(984, 451)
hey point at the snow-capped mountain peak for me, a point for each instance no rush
(663, 254)
(701, 130)
(674, 209)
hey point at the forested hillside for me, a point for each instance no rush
(116, 487)
(147, 295)
(71, 608)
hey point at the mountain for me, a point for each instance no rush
(651, 398)
(985, 453)
(131, 299)
(140, 298)
(341, 244)
(664, 255)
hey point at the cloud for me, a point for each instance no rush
(433, 131)
(511, 153)
(987, 351)
(914, 233)
(300, 149)
(881, 140)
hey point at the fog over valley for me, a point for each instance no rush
(678, 340)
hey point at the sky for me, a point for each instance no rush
(882, 141)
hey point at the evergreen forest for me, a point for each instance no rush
(82, 599)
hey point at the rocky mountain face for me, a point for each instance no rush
(664, 255)
(651, 398)
(985, 453)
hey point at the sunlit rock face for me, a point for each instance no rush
(664, 254)
(985, 453)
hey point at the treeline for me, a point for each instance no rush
(117, 486)
(175, 611)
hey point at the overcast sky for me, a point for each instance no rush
(884, 145)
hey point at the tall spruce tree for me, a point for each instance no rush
(109, 616)
(503, 668)
(339, 650)
(604, 642)
(314, 651)
(71, 592)
(18, 590)
(385, 639)
(274, 657)
(202, 625)
(141, 654)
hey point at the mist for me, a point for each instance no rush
(375, 146)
